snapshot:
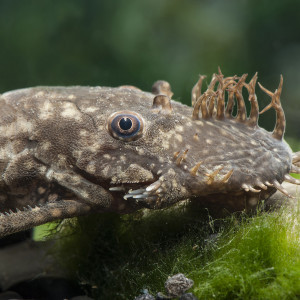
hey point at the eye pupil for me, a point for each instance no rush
(125, 123)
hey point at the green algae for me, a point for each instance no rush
(238, 257)
(258, 259)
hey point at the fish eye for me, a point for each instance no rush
(125, 125)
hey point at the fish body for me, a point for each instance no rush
(69, 151)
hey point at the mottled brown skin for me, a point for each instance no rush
(59, 156)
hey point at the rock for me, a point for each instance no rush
(278, 199)
(161, 296)
(177, 285)
(144, 297)
(47, 288)
(30, 259)
(9, 295)
(188, 296)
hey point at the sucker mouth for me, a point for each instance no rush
(145, 194)
(129, 190)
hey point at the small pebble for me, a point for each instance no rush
(188, 296)
(161, 296)
(177, 285)
(144, 297)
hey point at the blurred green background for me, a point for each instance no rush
(117, 42)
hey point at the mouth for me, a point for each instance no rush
(147, 196)
(144, 193)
